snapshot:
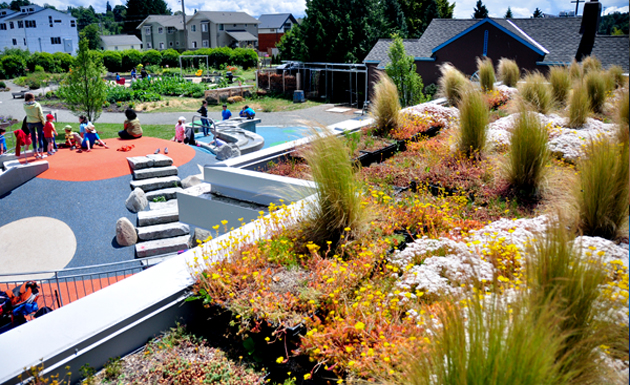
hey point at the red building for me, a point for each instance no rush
(271, 29)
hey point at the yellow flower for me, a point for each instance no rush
(359, 325)
(280, 360)
(307, 376)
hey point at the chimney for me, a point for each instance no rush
(590, 25)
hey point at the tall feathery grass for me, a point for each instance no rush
(509, 73)
(575, 70)
(579, 105)
(623, 121)
(560, 81)
(452, 84)
(337, 209)
(473, 119)
(486, 73)
(591, 64)
(528, 155)
(602, 191)
(385, 106)
(487, 342)
(535, 91)
(558, 273)
(596, 88)
(615, 74)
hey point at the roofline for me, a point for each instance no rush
(424, 58)
(494, 23)
(371, 61)
(552, 63)
(528, 37)
(203, 12)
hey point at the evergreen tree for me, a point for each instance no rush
(393, 19)
(402, 71)
(537, 13)
(445, 9)
(430, 13)
(138, 10)
(108, 7)
(84, 90)
(415, 12)
(120, 13)
(508, 14)
(4, 5)
(16, 4)
(480, 11)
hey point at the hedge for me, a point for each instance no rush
(170, 58)
(151, 57)
(44, 60)
(112, 61)
(12, 66)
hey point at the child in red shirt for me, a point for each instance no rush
(50, 133)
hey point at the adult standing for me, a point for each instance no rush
(132, 128)
(35, 121)
(134, 75)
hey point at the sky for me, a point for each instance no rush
(463, 8)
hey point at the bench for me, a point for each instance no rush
(19, 94)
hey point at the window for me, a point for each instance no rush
(3, 26)
(221, 27)
(160, 30)
(194, 45)
(161, 45)
(15, 41)
(11, 25)
(24, 41)
(132, 47)
(73, 23)
(193, 28)
(148, 45)
(58, 21)
(205, 44)
(287, 26)
(20, 24)
(116, 48)
(235, 25)
(170, 30)
(170, 44)
(31, 23)
(147, 31)
(177, 43)
(204, 27)
(55, 40)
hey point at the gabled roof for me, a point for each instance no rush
(120, 40)
(241, 36)
(555, 38)
(226, 17)
(611, 50)
(21, 16)
(275, 20)
(165, 21)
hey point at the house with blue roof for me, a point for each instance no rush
(272, 27)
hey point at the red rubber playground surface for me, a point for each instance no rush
(102, 163)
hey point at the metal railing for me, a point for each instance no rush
(61, 287)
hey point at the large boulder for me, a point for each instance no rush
(227, 151)
(200, 236)
(126, 234)
(191, 181)
(137, 200)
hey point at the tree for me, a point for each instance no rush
(108, 7)
(393, 19)
(138, 10)
(429, 14)
(508, 13)
(402, 71)
(446, 9)
(120, 13)
(93, 35)
(537, 13)
(4, 5)
(16, 4)
(415, 12)
(84, 91)
(480, 11)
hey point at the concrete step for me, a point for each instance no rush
(154, 172)
(169, 230)
(152, 184)
(142, 162)
(158, 217)
(167, 193)
(162, 246)
(172, 204)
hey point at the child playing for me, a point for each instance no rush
(90, 138)
(179, 130)
(226, 114)
(73, 139)
(3, 141)
(203, 111)
(50, 133)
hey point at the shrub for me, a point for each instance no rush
(509, 73)
(170, 58)
(602, 192)
(244, 57)
(535, 91)
(337, 208)
(596, 89)
(473, 119)
(579, 105)
(151, 57)
(402, 72)
(63, 61)
(97, 56)
(12, 66)
(558, 274)
(130, 59)
(3, 85)
(560, 81)
(385, 105)
(486, 73)
(575, 70)
(591, 64)
(42, 59)
(112, 60)
(622, 118)
(39, 69)
(615, 74)
(452, 83)
(529, 154)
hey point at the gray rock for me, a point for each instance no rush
(168, 230)
(126, 234)
(160, 160)
(139, 162)
(200, 236)
(200, 189)
(190, 181)
(227, 151)
(137, 200)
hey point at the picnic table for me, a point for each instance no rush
(19, 94)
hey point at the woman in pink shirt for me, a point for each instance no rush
(179, 130)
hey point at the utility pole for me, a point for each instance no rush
(577, 4)
(185, 27)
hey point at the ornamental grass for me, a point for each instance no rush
(529, 155)
(579, 105)
(452, 84)
(560, 81)
(602, 192)
(575, 70)
(473, 121)
(596, 88)
(623, 121)
(591, 64)
(385, 105)
(615, 74)
(509, 73)
(486, 73)
(535, 91)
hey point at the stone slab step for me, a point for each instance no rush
(158, 217)
(172, 204)
(169, 230)
(167, 193)
(154, 172)
(162, 246)
(142, 162)
(152, 184)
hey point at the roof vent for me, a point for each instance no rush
(590, 24)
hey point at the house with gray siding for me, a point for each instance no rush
(222, 29)
(38, 30)
(120, 42)
(162, 32)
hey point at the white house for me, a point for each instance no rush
(120, 42)
(38, 30)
